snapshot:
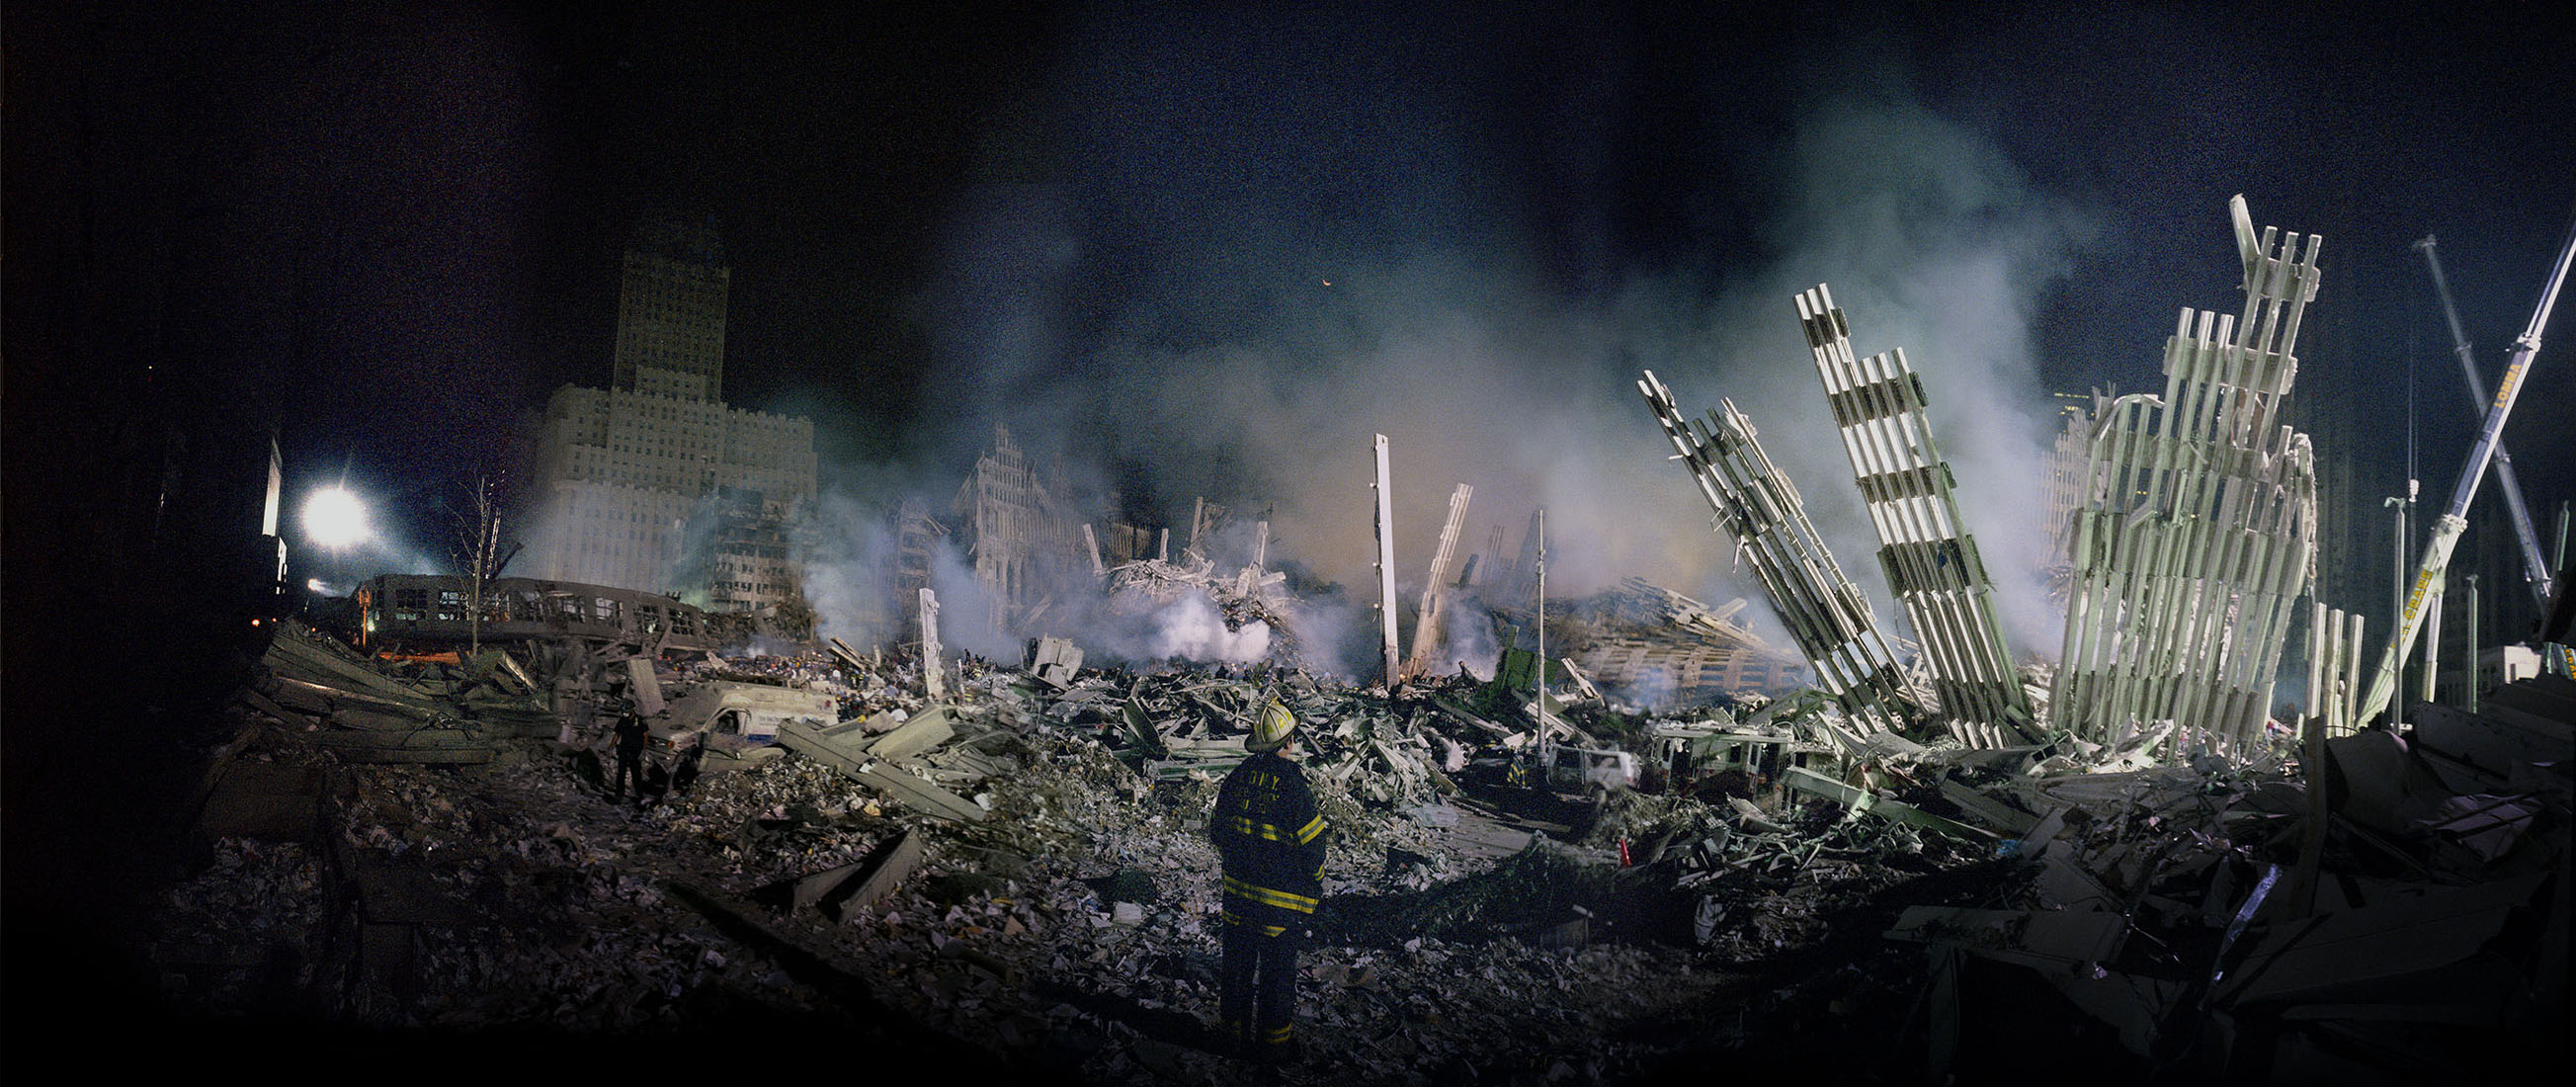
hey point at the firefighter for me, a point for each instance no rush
(1272, 840)
(630, 755)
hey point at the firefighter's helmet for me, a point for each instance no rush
(1270, 733)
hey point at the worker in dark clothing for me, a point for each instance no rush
(1271, 838)
(630, 754)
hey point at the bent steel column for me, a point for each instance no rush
(1757, 506)
(1930, 560)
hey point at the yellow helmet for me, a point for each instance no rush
(1270, 733)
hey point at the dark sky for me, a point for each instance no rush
(401, 223)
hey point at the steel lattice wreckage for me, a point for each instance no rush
(1916, 858)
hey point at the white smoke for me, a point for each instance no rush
(1193, 629)
(845, 552)
(1165, 313)
(1468, 638)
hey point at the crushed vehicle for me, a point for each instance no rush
(1589, 772)
(733, 722)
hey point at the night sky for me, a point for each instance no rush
(1211, 250)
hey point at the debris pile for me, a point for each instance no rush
(1654, 647)
(1786, 881)
(1242, 599)
(1072, 926)
(2393, 913)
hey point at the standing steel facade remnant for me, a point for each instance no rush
(2199, 527)
(1386, 566)
(1435, 587)
(2067, 459)
(2334, 670)
(933, 681)
(1930, 559)
(1756, 504)
(1020, 530)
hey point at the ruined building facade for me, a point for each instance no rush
(654, 483)
(1020, 531)
(2183, 600)
(671, 312)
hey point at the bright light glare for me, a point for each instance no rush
(333, 517)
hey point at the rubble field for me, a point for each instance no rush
(427, 856)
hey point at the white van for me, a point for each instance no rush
(728, 715)
(1585, 770)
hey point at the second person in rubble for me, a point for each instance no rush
(1271, 839)
(631, 734)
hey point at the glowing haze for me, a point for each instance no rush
(1219, 269)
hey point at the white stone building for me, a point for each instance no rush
(655, 483)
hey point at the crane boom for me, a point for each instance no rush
(2446, 530)
(2536, 572)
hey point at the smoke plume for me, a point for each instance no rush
(1245, 253)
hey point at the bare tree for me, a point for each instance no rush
(478, 534)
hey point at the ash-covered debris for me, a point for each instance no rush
(1254, 612)
(1771, 881)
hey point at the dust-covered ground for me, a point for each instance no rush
(459, 914)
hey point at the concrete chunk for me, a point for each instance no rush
(853, 887)
(645, 686)
(927, 729)
(883, 778)
(1056, 661)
